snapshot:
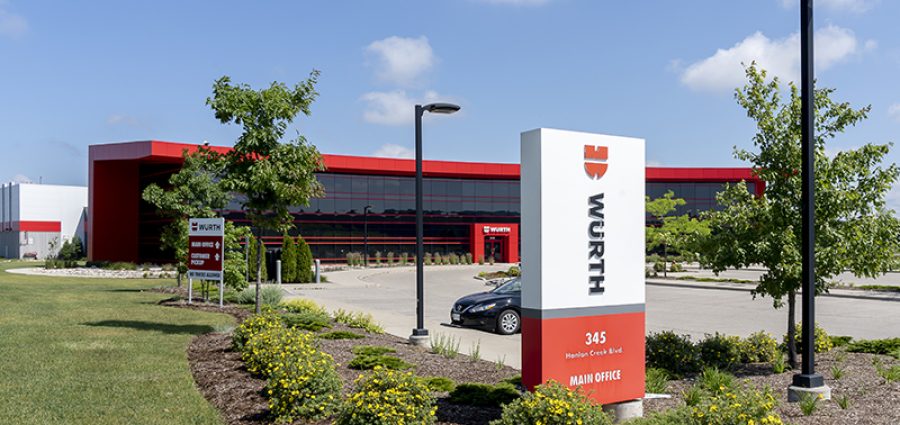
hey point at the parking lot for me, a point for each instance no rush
(389, 295)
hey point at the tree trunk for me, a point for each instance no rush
(665, 259)
(792, 337)
(178, 279)
(259, 248)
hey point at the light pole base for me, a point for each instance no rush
(796, 393)
(420, 338)
(625, 410)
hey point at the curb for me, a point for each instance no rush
(837, 293)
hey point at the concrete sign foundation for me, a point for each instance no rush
(583, 262)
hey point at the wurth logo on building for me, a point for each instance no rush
(595, 158)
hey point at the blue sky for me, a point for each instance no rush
(82, 73)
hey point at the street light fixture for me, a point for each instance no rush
(366, 234)
(420, 334)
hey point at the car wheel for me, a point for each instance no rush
(508, 322)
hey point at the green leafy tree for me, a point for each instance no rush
(194, 192)
(854, 230)
(235, 264)
(288, 259)
(304, 261)
(679, 232)
(269, 176)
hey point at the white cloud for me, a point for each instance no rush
(723, 70)
(894, 112)
(393, 107)
(11, 24)
(517, 2)
(121, 119)
(400, 60)
(857, 6)
(391, 150)
(21, 178)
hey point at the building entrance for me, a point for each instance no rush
(498, 240)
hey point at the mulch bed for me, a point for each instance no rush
(873, 400)
(222, 378)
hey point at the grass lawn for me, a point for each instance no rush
(97, 351)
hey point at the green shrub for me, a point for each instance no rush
(468, 258)
(840, 340)
(386, 397)
(875, 346)
(253, 325)
(268, 295)
(308, 321)
(358, 320)
(491, 260)
(553, 404)
(741, 406)
(693, 395)
(378, 258)
(676, 267)
(472, 394)
(720, 351)
(759, 347)
(438, 383)
(513, 271)
(340, 335)
(371, 350)
(120, 265)
(823, 341)
(672, 352)
(390, 258)
(657, 380)
(303, 305)
(659, 266)
(304, 261)
(303, 382)
(288, 259)
(371, 361)
(890, 374)
(715, 381)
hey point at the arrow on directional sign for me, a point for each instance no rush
(217, 256)
(217, 247)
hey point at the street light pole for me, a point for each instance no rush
(420, 334)
(366, 234)
(808, 380)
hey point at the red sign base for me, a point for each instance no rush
(604, 355)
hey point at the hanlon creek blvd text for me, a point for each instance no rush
(596, 247)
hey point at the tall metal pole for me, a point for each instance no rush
(420, 233)
(808, 378)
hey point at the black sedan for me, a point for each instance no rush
(498, 310)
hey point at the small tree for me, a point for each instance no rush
(289, 259)
(235, 265)
(667, 230)
(195, 192)
(270, 176)
(853, 229)
(304, 261)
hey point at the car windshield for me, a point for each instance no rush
(514, 285)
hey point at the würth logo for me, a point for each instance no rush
(194, 226)
(595, 161)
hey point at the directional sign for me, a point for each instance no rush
(206, 248)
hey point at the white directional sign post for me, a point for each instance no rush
(206, 253)
(583, 263)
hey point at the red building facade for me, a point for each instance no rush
(470, 207)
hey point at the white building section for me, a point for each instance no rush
(36, 219)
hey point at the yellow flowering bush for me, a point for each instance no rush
(759, 347)
(303, 382)
(672, 352)
(253, 325)
(266, 350)
(553, 404)
(742, 406)
(387, 397)
(823, 342)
